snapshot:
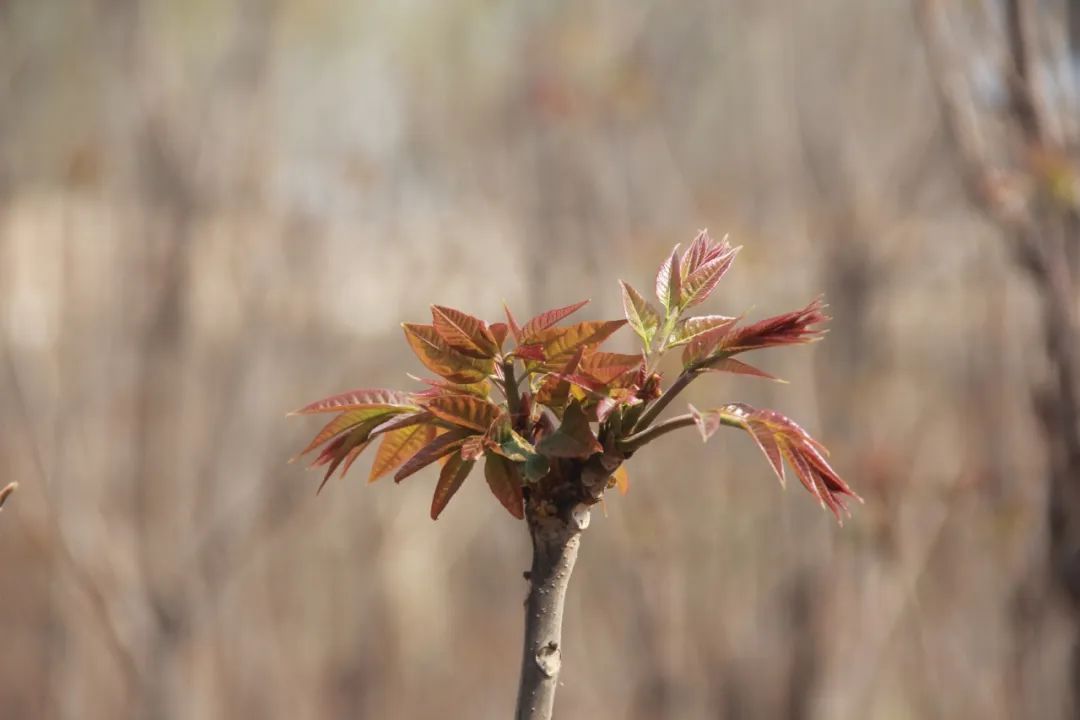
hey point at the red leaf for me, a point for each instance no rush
(350, 458)
(767, 442)
(467, 334)
(399, 445)
(738, 367)
(442, 359)
(702, 251)
(464, 410)
(451, 478)
(700, 283)
(515, 329)
(790, 328)
(437, 448)
(355, 399)
(505, 483)
(669, 282)
(499, 331)
(329, 452)
(780, 437)
(546, 319)
(351, 444)
(530, 351)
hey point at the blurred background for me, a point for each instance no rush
(213, 212)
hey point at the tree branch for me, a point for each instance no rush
(633, 442)
(556, 540)
(662, 402)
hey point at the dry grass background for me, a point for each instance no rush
(213, 212)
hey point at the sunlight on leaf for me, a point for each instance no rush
(443, 360)
(398, 446)
(546, 319)
(467, 334)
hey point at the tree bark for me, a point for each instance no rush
(556, 537)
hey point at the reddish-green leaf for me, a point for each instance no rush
(351, 456)
(467, 334)
(348, 455)
(642, 316)
(546, 319)
(442, 445)
(573, 438)
(505, 483)
(738, 367)
(355, 399)
(705, 346)
(372, 416)
(560, 344)
(440, 358)
(607, 367)
(399, 421)
(669, 282)
(451, 478)
(464, 410)
(554, 390)
(441, 387)
(691, 328)
(399, 445)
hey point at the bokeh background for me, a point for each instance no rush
(213, 212)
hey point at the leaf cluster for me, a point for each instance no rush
(550, 414)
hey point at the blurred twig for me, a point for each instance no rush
(103, 606)
(1024, 178)
(6, 492)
